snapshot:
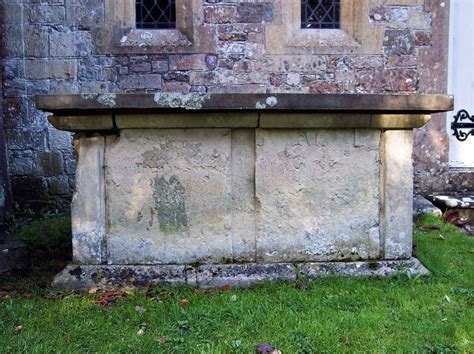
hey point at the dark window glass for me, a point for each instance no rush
(320, 13)
(155, 14)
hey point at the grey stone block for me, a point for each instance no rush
(47, 14)
(14, 255)
(50, 69)
(69, 44)
(170, 198)
(317, 195)
(36, 42)
(88, 203)
(50, 163)
(423, 206)
(397, 194)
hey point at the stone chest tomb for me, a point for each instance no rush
(214, 189)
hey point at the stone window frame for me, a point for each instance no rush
(119, 35)
(355, 35)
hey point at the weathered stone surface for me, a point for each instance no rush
(178, 120)
(134, 82)
(171, 197)
(69, 44)
(399, 121)
(219, 14)
(51, 163)
(50, 69)
(254, 13)
(84, 277)
(88, 203)
(43, 14)
(410, 266)
(397, 194)
(243, 209)
(314, 120)
(82, 123)
(310, 103)
(243, 275)
(317, 195)
(398, 42)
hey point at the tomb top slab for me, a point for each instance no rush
(159, 102)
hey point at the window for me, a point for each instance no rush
(155, 14)
(343, 27)
(130, 28)
(320, 14)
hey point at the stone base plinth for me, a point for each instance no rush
(84, 277)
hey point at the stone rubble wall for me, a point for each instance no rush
(49, 48)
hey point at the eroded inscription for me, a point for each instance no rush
(170, 204)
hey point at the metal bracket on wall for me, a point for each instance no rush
(462, 129)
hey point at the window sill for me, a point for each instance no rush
(171, 38)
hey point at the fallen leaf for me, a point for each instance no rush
(93, 290)
(441, 237)
(141, 332)
(140, 309)
(165, 295)
(233, 298)
(447, 299)
(429, 227)
(184, 302)
(161, 339)
(18, 328)
(25, 294)
(201, 291)
(129, 292)
(226, 288)
(454, 218)
(108, 298)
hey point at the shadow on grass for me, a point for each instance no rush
(50, 247)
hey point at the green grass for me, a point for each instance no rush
(404, 314)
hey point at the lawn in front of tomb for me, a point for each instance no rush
(402, 314)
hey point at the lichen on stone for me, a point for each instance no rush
(106, 99)
(170, 203)
(271, 101)
(189, 101)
